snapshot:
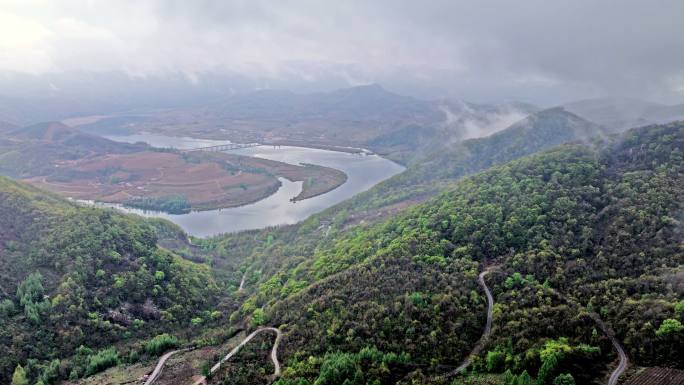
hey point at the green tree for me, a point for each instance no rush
(564, 379)
(547, 370)
(258, 317)
(102, 360)
(340, 368)
(509, 378)
(496, 360)
(524, 379)
(679, 309)
(669, 326)
(19, 376)
(159, 275)
(7, 308)
(31, 289)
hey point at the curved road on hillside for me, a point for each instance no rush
(160, 365)
(487, 330)
(621, 366)
(624, 361)
(203, 380)
(274, 353)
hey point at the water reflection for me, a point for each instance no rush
(164, 141)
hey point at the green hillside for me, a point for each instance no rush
(76, 281)
(418, 183)
(579, 234)
(576, 233)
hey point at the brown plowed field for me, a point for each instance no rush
(207, 181)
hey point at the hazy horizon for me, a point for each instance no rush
(485, 52)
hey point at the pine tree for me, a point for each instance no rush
(19, 376)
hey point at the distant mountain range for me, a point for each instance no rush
(619, 114)
(402, 128)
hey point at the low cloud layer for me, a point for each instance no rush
(541, 51)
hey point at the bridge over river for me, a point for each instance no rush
(222, 147)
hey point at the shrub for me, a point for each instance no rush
(7, 308)
(160, 343)
(496, 360)
(258, 317)
(679, 308)
(669, 326)
(102, 360)
(564, 379)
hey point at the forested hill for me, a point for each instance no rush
(573, 234)
(448, 163)
(76, 280)
(542, 130)
(36, 149)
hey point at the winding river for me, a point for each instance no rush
(363, 172)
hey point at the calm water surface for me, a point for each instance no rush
(363, 172)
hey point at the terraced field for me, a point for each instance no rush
(657, 376)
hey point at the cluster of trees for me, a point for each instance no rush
(160, 344)
(368, 366)
(173, 204)
(30, 295)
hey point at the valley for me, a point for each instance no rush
(539, 250)
(341, 193)
(293, 201)
(335, 285)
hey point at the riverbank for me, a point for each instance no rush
(176, 183)
(310, 180)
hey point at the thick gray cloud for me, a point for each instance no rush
(538, 50)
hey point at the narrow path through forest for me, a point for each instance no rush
(242, 283)
(621, 366)
(624, 360)
(487, 330)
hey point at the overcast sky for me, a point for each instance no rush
(539, 50)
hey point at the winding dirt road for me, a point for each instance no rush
(274, 353)
(160, 365)
(487, 330)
